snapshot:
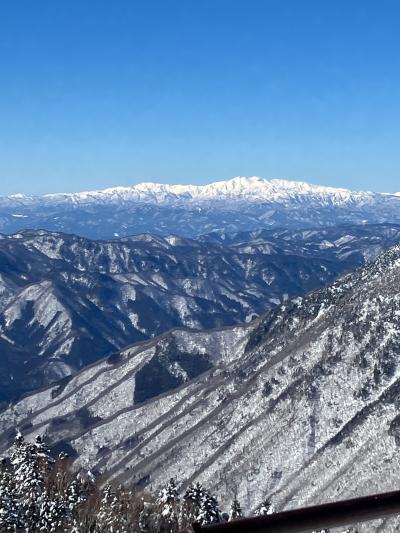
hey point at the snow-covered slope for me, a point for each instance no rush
(301, 405)
(66, 301)
(233, 205)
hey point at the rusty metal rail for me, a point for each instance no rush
(343, 513)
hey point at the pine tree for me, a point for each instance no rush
(191, 504)
(40, 503)
(9, 519)
(169, 507)
(54, 512)
(235, 511)
(31, 463)
(264, 508)
(209, 512)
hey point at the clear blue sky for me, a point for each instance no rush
(96, 93)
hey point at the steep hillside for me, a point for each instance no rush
(301, 405)
(66, 301)
(233, 205)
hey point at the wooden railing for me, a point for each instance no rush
(307, 519)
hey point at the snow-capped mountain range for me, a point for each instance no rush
(66, 301)
(242, 203)
(253, 189)
(300, 405)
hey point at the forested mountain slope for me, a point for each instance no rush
(66, 301)
(301, 405)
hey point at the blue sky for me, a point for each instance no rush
(96, 93)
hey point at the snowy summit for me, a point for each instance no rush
(237, 204)
(251, 188)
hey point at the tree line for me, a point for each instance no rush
(40, 493)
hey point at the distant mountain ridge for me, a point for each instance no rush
(239, 204)
(239, 188)
(66, 301)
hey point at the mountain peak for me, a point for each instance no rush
(249, 188)
(237, 186)
(240, 186)
(237, 204)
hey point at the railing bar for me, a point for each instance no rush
(304, 520)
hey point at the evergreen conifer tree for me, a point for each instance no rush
(191, 504)
(169, 507)
(264, 508)
(235, 511)
(9, 519)
(209, 512)
(30, 463)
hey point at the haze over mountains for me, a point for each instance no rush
(301, 404)
(239, 204)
